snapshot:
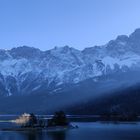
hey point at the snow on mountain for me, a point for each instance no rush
(26, 70)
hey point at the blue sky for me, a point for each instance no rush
(77, 23)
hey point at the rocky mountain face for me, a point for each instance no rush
(26, 70)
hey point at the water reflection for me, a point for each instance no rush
(32, 135)
(95, 131)
(57, 135)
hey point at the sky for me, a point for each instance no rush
(45, 24)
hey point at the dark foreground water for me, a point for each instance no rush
(86, 131)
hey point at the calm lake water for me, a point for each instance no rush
(86, 131)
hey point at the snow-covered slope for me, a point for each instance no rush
(26, 70)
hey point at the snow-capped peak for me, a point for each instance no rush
(25, 70)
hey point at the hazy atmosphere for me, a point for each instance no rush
(69, 69)
(78, 23)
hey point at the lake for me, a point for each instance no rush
(86, 131)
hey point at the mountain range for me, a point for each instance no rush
(64, 76)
